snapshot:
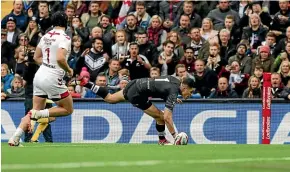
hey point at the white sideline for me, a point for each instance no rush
(72, 165)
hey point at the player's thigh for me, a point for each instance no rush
(66, 103)
(39, 102)
(115, 98)
(154, 112)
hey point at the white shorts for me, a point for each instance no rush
(48, 83)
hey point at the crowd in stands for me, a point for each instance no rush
(226, 46)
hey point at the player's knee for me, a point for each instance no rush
(51, 119)
(70, 111)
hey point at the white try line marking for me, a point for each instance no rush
(69, 165)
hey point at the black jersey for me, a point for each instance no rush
(166, 87)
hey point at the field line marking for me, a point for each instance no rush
(72, 165)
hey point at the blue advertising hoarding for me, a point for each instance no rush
(205, 123)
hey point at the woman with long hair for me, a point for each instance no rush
(121, 47)
(285, 72)
(207, 31)
(155, 32)
(254, 88)
(33, 32)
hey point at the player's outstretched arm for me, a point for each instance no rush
(38, 56)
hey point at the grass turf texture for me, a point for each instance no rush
(105, 157)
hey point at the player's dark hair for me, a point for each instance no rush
(59, 19)
(190, 82)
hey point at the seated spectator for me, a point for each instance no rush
(108, 32)
(239, 6)
(183, 29)
(73, 93)
(7, 50)
(264, 59)
(285, 56)
(137, 64)
(244, 60)
(168, 11)
(270, 41)
(80, 7)
(176, 39)
(276, 85)
(235, 31)
(121, 47)
(78, 28)
(93, 17)
(254, 88)
(214, 61)
(96, 32)
(21, 61)
(12, 31)
(285, 72)
(100, 81)
(17, 15)
(131, 28)
(188, 60)
(33, 32)
(154, 72)
(255, 33)
(282, 43)
(111, 73)
(206, 79)
(6, 77)
(152, 7)
(76, 52)
(3, 94)
(258, 72)
(167, 60)
(223, 90)
(17, 89)
(207, 32)
(43, 15)
(286, 92)
(188, 9)
(146, 47)
(219, 14)
(196, 41)
(123, 82)
(155, 32)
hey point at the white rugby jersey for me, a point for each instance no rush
(49, 44)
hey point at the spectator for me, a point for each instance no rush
(219, 14)
(196, 41)
(155, 32)
(3, 94)
(183, 29)
(21, 61)
(100, 81)
(131, 28)
(80, 7)
(276, 85)
(146, 47)
(223, 90)
(176, 39)
(154, 72)
(207, 32)
(16, 89)
(121, 47)
(285, 72)
(108, 33)
(17, 16)
(96, 32)
(286, 92)
(254, 88)
(43, 16)
(188, 9)
(7, 50)
(23, 40)
(188, 60)
(76, 52)
(282, 43)
(92, 18)
(264, 59)
(202, 8)
(281, 19)
(95, 59)
(33, 32)
(111, 74)
(244, 60)
(167, 60)
(123, 82)
(152, 7)
(258, 72)
(78, 28)
(270, 41)
(70, 12)
(285, 56)
(137, 64)
(73, 93)
(168, 11)
(235, 31)
(255, 33)
(214, 61)
(6, 77)
(239, 7)
(256, 8)
(12, 31)
(206, 79)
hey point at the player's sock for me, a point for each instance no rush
(43, 113)
(161, 131)
(100, 91)
(40, 128)
(17, 135)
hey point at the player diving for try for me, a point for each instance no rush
(138, 91)
(52, 53)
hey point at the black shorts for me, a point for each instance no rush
(135, 96)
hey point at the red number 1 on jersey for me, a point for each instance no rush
(47, 54)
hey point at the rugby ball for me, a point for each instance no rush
(181, 139)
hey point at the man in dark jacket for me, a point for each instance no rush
(146, 48)
(223, 90)
(7, 50)
(188, 9)
(286, 92)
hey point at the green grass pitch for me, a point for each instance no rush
(145, 157)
